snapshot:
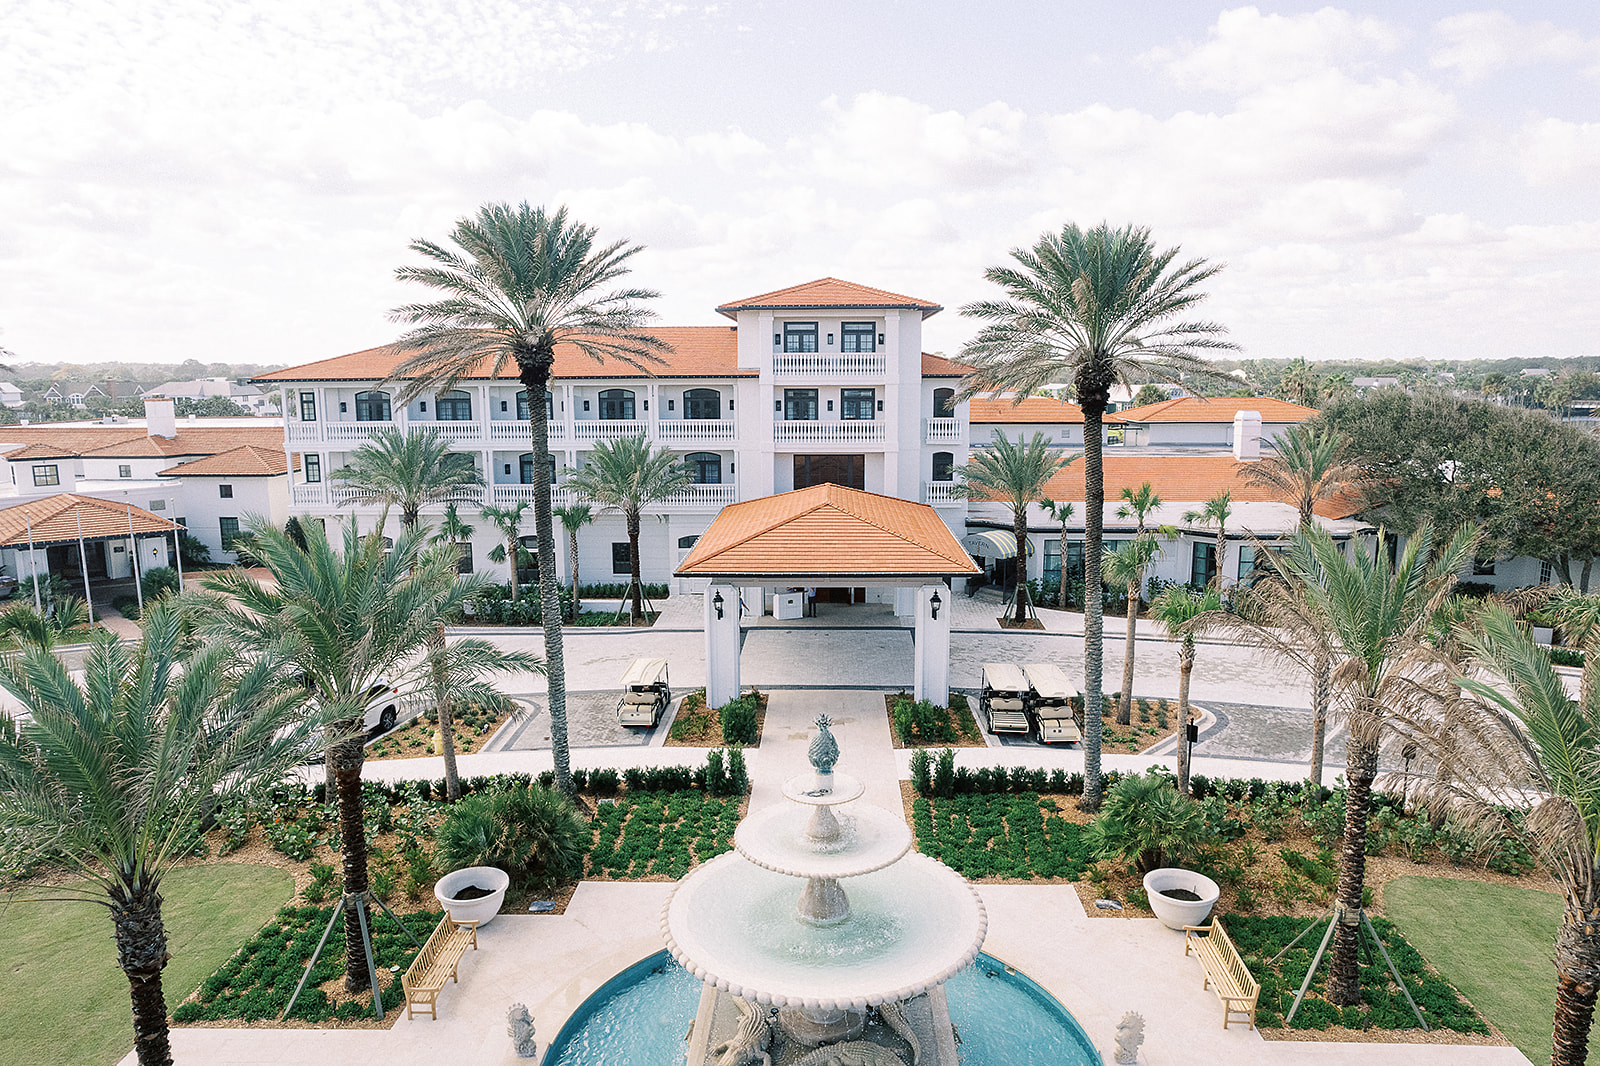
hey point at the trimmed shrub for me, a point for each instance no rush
(533, 834)
(739, 719)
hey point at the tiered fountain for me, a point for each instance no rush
(793, 968)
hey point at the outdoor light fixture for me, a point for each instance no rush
(934, 602)
(716, 602)
(830, 340)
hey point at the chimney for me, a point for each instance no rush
(1247, 435)
(161, 418)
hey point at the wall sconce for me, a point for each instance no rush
(830, 405)
(716, 604)
(777, 340)
(502, 405)
(730, 405)
(880, 405)
(777, 405)
(423, 406)
(342, 407)
(880, 338)
(586, 405)
(647, 405)
(935, 602)
(669, 405)
(830, 340)
(508, 468)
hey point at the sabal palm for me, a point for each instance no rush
(519, 281)
(1062, 511)
(1138, 504)
(1306, 466)
(1516, 741)
(408, 471)
(628, 475)
(1215, 512)
(573, 518)
(1126, 567)
(109, 776)
(459, 674)
(1183, 612)
(343, 617)
(1014, 473)
(455, 534)
(507, 521)
(1099, 307)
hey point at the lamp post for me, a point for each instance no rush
(716, 604)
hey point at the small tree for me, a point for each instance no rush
(408, 470)
(1215, 512)
(573, 518)
(1126, 566)
(1014, 473)
(1062, 512)
(1182, 612)
(1139, 504)
(507, 521)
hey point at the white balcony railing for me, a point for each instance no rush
(503, 494)
(310, 496)
(700, 498)
(798, 432)
(454, 432)
(815, 364)
(941, 492)
(351, 432)
(694, 431)
(506, 432)
(607, 429)
(941, 431)
(305, 433)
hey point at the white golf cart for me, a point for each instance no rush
(645, 693)
(1051, 704)
(1004, 699)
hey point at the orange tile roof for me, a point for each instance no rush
(937, 366)
(1034, 409)
(1218, 409)
(1181, 478)
(132, 442)
(827, 293)
(827, 530)
(55, 519)
(247, 460)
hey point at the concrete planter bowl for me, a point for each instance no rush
(481, 910)
(1177, 913)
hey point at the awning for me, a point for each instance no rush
(993, 544)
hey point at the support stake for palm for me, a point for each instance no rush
(1356, 917)
(353, 903)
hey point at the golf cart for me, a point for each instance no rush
(645, 693)
(1004, 699)
(1051, 704)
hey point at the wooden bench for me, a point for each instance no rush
(1225, 971)
(436, 963)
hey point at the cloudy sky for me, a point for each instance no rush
(237, 182)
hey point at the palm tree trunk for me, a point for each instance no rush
(1344, 977)
(1093, 394)
(1125, 708)
(1061, 581)
(347, 758)
(513, 553)
(636, 614)
(572, 553)
(1577, 980)
(142, 954)
(441, 708)
(1019, 530)
(1319, 712)
(1222, 549)
(536, 379)
(1185, 668)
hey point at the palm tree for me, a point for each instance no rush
(109, 777)
(1101, 308)
(1137, 504)
(1182, 612)
(1014, 473)
(1578, 615)
(43, 629)
(1215, 512)
(1514, 741)
(1062, 512)
(408, 470)
(573, 518)
(629, 475)
(519, 281)
(1306, 466)
(507, 521)
(1126, 566)
(345, 619)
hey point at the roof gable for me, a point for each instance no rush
(1218, 409)
(1033, 409)
(65, 516)
(828, 293)
(247, 460)
(1183, 479)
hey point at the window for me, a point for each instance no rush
(705, 468)
(525, 463)
(621, 559)
(47, 475)
(465, 565)
(799, 336)
(856, 404)
(1546, 572)
(1204, 567)
(525, 410)
(230, 530)
(799, 405)
(702, 403)
(858, 337)
(225, 491)
(1052, 562)
(313, 469)
(944, 403)
(453, 407)
(158, 505)
(685, 543)
(372, 407)
(944, 466)
(124, 470)
(308, 407)
(616, 405)
(1247, 561)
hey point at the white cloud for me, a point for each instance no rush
(881, 140)
(1552, 151)
(1477, 44)
(1246, 50)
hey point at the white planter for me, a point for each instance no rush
(481, 910)
(1177, 913)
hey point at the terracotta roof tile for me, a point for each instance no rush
(937, 366)
(825, 293)
(1034, 409)
(1181, 478)
(55, 519)
(247, 460)
(1218, 409)
(826, 530)
(132, 442)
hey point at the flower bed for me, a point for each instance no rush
(1004, 837)
(923, 724)
(472, 728)
(699, 726)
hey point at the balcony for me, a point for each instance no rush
(798, 432)
(607, 429)
(521, 433)
(941, 493)
(941, 431)
(695, 431)
(816, 364)
(305, 433)
(699, 498)
(309, 496)
(339, 496)
(454, 432)
(504, 494)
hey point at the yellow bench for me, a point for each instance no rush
(436, 963)
(1225, 971)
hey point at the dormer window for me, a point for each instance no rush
(858, 337)
(799, 336)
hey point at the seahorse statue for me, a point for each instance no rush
(894, 1016)
(749, 1044)
(1130, 1034)
(519, 1027)
(854, 1053)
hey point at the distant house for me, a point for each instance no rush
(1536, 372)
(247, 396)
(10, 395)
(1382, 381)
(1206, 422)
(73, 393)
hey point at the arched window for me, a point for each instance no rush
(944, 403)
(453, 407)
(944, 466)
(705, 468)
(616, 404)
(526, 463)
(702, 403)
(525, 411)
(688, 542)
(372, 407)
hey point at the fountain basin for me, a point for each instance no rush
(870, 838)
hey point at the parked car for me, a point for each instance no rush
(1050, 699)
(645, 693)
(1003, 699)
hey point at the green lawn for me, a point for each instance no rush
(62, 998)
(1493, 942)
